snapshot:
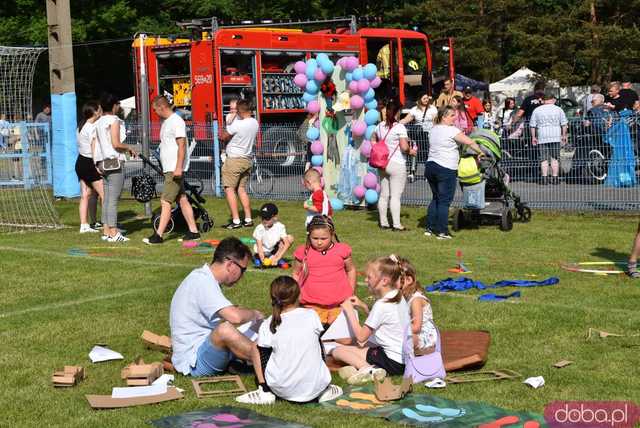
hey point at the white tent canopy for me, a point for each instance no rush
(127, 105)
(517, 85)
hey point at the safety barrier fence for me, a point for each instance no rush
(598, 167)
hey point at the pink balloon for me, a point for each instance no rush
(363, 85)
(375, 82)
(313, 106)
(317, 148)
(318, 168)
(356, 102)
(319, 75)
(370, 180)
(353, 87)
(353, 63)
(365, 148)
(358, 128)
(378, 188)
(359, 191)
(300, 67)
(300, 80)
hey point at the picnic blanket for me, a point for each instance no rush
(221, 417)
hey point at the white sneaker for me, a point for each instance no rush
(257, 397)
(367, 374)
(346, 372)
(85, 228)
(105, 237)
(331, 393)
(117, 238)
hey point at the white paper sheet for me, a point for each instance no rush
(340, 328)
(165, 379)
(535, 382)
(138, 391)
(250, 329)
(101, 353)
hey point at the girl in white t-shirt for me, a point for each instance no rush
(394, 177)
(423, 113)
(90, 180)
(385, 324)
(288, 358)
(423, 330)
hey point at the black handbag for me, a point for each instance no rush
(143, 187)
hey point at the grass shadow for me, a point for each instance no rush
(610, 255)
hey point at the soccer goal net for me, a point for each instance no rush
(26, 201)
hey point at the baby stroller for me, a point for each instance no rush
(487, 196)
(143, 189)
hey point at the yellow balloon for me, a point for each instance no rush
(266, 262)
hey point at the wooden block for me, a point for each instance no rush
(69, 376)
(141, 374)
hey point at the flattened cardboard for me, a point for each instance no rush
(157, 342)
(484, 376)
(106, 402)
(387, 391)
(241, 389)
(563, 363)
(69, 376)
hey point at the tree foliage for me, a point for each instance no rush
(573, 41)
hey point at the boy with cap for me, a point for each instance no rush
(472, 103)
(272, 241)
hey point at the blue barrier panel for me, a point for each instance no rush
(64, 148)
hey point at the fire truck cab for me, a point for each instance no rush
(201, 74)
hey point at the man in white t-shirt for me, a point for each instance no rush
(240, 136)
(174, 156)
(202, 319)
(272, 240)
(548, 125)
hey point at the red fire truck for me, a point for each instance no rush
(255, 61)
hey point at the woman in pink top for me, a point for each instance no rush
(324, 269)
(463, 120)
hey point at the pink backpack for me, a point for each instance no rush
(379, 157)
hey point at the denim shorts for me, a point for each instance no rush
(211, 360)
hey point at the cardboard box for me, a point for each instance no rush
(141, 374)
(387, 391)
(69, 376)
(157, 342)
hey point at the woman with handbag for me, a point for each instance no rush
(442, 167)
(393, 175)
(109, 157)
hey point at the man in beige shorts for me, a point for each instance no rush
(241, 137)
(174, 157)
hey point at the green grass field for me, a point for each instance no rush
(55, 306)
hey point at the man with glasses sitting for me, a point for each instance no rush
(202, 320)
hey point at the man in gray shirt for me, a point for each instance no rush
(548, 132)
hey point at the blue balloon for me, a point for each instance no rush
(336, 204)
(371, 117)
(371, 196)
(358, 74)
(348, 76)
(321, 57)
(312, 87)
(370, 71)
(306, 97)
(370, 95)
(369, 132)
(316, 160)
(313, 134)
(371, 105)
(312, 65)
(326, 67)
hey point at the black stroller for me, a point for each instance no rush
(498, 203)
(143, 189)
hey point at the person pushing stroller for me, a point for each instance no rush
(174, 157)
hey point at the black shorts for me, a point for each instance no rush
(86, 170)
(377, 357)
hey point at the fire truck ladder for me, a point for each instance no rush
(198, 25)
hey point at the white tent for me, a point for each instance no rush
(127, 105)
(517, 85)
